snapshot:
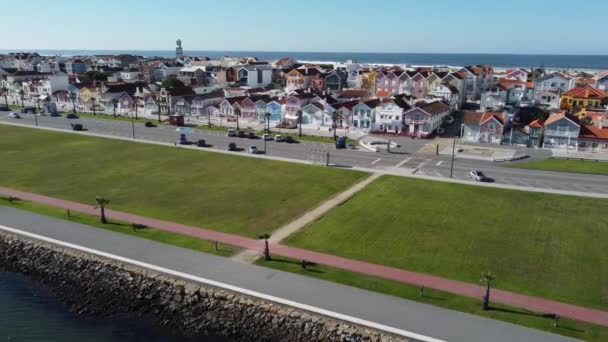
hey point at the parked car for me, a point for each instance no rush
(182, 139)
(341, 143)
(72, 116)
(230, 132)
(150, 124)
(253, 150)
(449, 119)
(278, 138)
(251, 135)
(289, 139)
(4, 109)
(77, 127)
(232, 147)
(201, 143)
(266, 137)
(241, 134)
(479, 176)
(14, 116)
(55, 114)
(28, 110)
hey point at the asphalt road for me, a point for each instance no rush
(404, 158)
(395, 312)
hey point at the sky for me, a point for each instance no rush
(423, 26)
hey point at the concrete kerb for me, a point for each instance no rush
(227, 287)
(407, 173)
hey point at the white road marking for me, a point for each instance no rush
(439, 163)
(403, 162)
(424, 163)
(376, 161)
(213, 283)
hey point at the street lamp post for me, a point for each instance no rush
(133, 125)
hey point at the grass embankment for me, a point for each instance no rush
(124, 228)
(227, 193)
(567, 327)
(566, 165)
(545, 245)
(294, 135)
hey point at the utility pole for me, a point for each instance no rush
(133, 125)
(453, 152)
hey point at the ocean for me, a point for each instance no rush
(29, 313)
(588, 62)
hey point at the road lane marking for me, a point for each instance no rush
(376, 161)
(228, 287)
(402, 162)
(424, 163)
(439, 163)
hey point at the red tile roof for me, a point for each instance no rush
(586, 92)
(500, 117)
(472, 118)
(594, 132)
(536, 124)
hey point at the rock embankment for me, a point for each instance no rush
(95, 286)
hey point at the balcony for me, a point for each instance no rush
(564, 134)
(416, 122)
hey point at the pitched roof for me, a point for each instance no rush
(536, 124)
(500, 117)
(435, 108)
(593, 132)
(472, 118)
(559, 116)
(586, 92)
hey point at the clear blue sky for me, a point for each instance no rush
(460, 26)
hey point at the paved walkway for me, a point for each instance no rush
(308, 217)
(419, 279)
(394, 312)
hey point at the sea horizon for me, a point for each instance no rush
(499, 60)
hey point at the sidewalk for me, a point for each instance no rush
(419, 279)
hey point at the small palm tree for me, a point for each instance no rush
(115, 104)
(159, 110)
(101, 204)
(4, 91)
(267, 117)
(299, 115)
(72, 96)
(136, 104)
(335, 116)
(22, 96)
(487, 278)
(237, 113)
(265, 237)
(93, 99)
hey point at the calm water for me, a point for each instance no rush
(452, 59)
(29, 313)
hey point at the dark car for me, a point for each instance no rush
(251, 135)
(182, 139)
(28, 110)
(232, 146)
(150, 124)
(77, 127)
(4, 109)
(55, 114)
(290, 140)
(72, 116)
(241, 134)
(341, 143)
(201, 143)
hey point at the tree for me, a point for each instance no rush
(136, 104)
(114, 105)
(72, 96)
(4, 91)
(95, 75)
(299, 115)
(159, 110)
(101, 204)
(335, 116)
(237, 113)
(267, 117)
(265, 237)
(172, 83)
(487, 278)
(587, 120)
(22, 96)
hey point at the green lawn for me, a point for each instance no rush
(579, 330)
(228, 193)
(125, 228)
(539, 244)
(566, 165)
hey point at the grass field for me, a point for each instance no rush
(566, 165)
(579, 330)
(539, 244)
(125, 228)
(217, 191)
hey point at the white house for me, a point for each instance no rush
(547, 98)
(389, 115)
(449, 94)
(255, 76)
(556, 82)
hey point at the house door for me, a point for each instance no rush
(416, 129)
(406, 129)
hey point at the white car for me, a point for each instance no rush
(478, 176)
(14, 116)
(231, 133)
(278, 138)
(253, 150)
